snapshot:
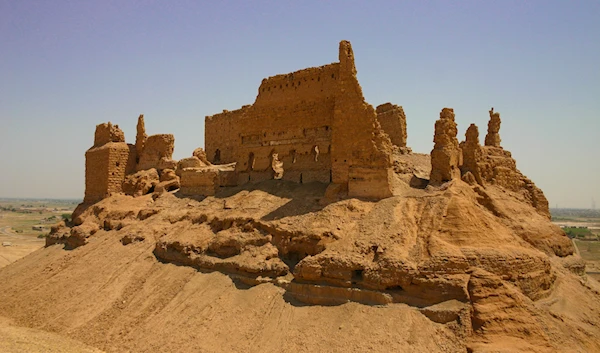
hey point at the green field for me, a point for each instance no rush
(579, 232)
(22, 215)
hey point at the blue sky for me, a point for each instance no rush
(66, 66)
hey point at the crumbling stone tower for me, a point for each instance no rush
(472, 153)
(446, 156)
(107, 163)
(493, 134)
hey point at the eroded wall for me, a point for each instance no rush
(393, 122)
(107, 163)
(292, 116)
(317, 122)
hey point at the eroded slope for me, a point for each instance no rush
(481, 266)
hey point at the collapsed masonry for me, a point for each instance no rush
(311, 125)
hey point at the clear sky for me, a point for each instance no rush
(66, 66)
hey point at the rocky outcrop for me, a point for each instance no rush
(501, 311)
(446, 154)
(497, 167)
(493, 165)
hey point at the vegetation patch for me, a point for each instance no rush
(579, 232)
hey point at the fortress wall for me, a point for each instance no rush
(317, 122)
(221, 135)
(292, 115)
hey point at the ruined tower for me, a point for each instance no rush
(107, 163)
(472, 154)
(446, 154)
(493, 134)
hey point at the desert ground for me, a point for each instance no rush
(118, 293)
(17, 219)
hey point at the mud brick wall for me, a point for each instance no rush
(393, 122)
(105, 169)
(318, 123)
(291, 116)
(156, 147)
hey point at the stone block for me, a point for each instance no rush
(199, 181)
(370, 183)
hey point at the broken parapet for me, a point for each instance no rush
(493, 135)
(446, 155)
(201, 155)
(107, 163)
(393, 122)
(205, 181)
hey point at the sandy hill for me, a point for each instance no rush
(272, 268)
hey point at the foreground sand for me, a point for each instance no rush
(119, 290)
(16, 339)
(122, 299)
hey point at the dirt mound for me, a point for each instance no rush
(459, 267)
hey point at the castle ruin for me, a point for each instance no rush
(319, 126)
(311, 125)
